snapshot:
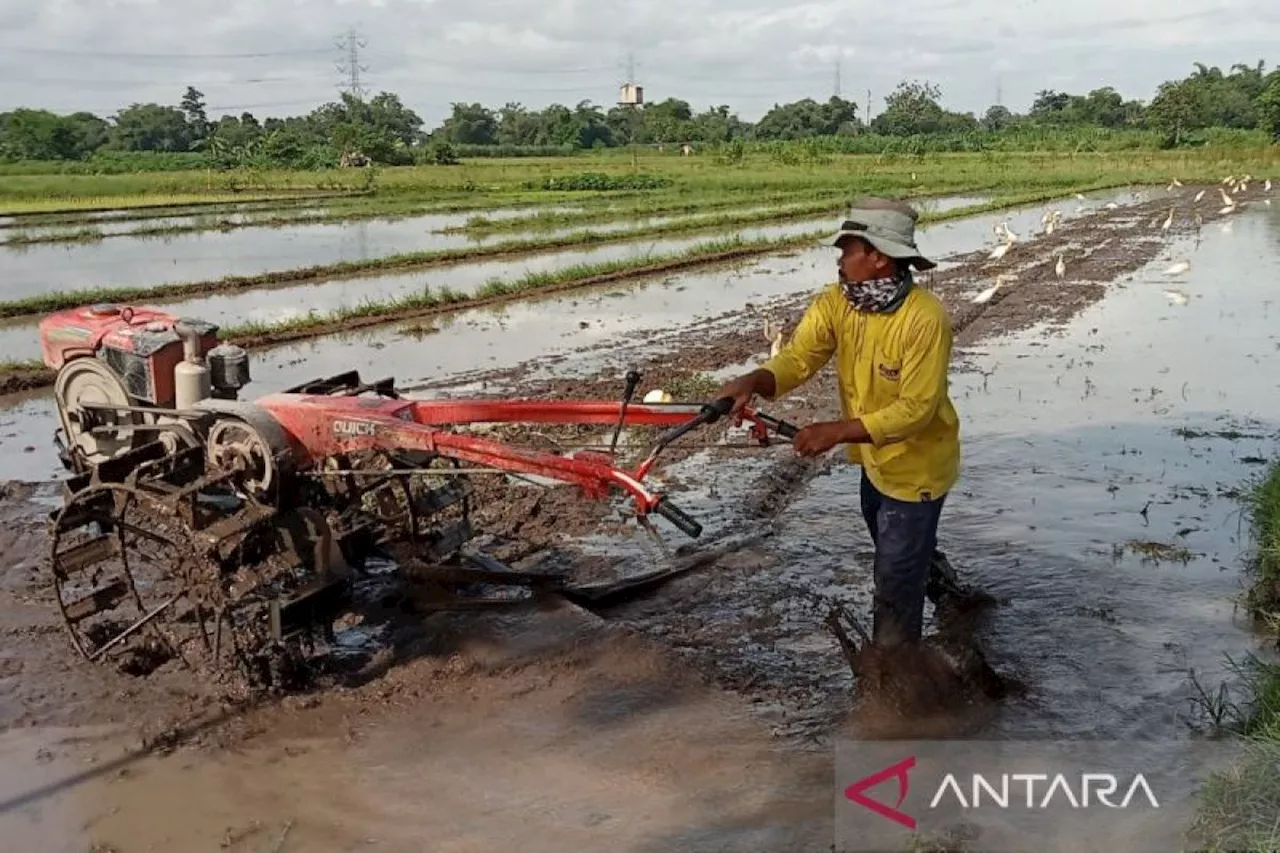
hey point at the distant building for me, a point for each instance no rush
(631, 95)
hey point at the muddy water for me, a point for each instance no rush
(198, 256)
(1137, 404)
(107, 224)
(607, 747)
(18, 339)
(421, 353)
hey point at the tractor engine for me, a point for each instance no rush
(138, 366)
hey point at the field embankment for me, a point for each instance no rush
(1240, 806)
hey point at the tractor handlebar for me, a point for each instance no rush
(681, 519)
(709, 414)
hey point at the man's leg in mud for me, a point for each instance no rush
(905, 535)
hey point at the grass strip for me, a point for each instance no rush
(347, 207)
(21, 208)
(1238, 806)
(47, 302)
(677, 206)
(271, 217)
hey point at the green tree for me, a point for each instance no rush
(192, 106)
(911, 108)
(470, 124)
(1269, 106)
(1177, 109)
(151, 127)
(996, 118)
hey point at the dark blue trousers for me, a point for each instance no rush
(905, 534)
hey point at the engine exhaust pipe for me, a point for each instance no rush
(191, 379)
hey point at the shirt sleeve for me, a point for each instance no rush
(923, 383)
(811, 346)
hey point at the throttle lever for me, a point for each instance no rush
(633, 381)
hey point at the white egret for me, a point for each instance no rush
(985, 296)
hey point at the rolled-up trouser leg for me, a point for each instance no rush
(906, 534)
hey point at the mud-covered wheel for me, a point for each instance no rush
(410, 495)
(120, 569)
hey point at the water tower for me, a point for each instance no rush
(631, 95)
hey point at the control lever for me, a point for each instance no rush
(633, 382)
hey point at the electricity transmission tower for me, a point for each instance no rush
(350, 65)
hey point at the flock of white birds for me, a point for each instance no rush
(1231, 188)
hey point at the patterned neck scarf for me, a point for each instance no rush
(879, 295)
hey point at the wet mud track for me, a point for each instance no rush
(673, 668)
(754, 621)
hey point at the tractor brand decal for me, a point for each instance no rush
(351, 429)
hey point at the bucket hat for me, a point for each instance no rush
(888, 225)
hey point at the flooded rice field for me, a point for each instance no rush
(32, 269)
(1107, 418)
(19, 339)
(442, 349)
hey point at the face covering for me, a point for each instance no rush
(878, 295)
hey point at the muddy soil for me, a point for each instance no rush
(682, 738)
(14, 381)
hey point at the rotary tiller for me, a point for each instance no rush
(229, 533)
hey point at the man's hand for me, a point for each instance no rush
(745, 387)
(820, 437)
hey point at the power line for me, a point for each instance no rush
(130, 55)
(351, 46)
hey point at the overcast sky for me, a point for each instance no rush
(278, 57)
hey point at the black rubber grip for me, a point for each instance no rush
(787, 430)
(784, 429)
(678, 517)
(708, 414)
(716, 410)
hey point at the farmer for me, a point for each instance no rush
(892, 344)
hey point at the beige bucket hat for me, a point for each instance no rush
(888, 225)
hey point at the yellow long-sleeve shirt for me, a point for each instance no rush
(892, 373)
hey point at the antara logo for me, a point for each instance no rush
(1077, 791)
(894, 771)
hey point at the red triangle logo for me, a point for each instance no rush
(895, 771)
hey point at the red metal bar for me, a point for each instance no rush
(322, 426)
(445, 412)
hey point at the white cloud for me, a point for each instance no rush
(104, 54)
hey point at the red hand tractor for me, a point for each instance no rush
(228, 533)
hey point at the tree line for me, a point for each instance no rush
(383, 130)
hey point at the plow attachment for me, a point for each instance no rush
(230, 534)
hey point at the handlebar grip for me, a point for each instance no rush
(717, 409)
(787, 430)
(678, 517)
